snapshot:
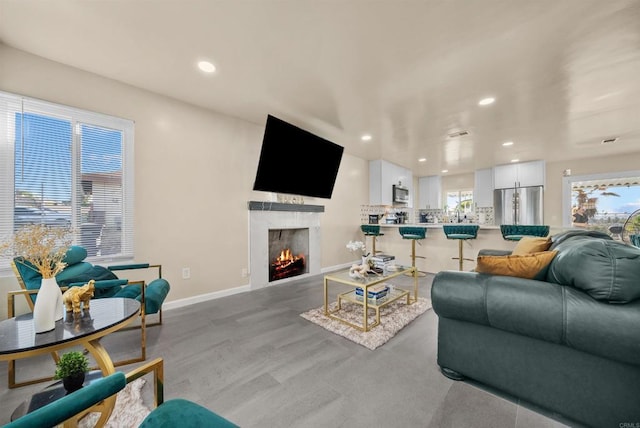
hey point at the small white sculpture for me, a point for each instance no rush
(359, 271)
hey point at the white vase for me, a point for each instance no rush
(48, 307)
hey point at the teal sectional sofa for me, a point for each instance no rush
(569, 343)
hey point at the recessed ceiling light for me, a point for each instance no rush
(206, 66)
(366, 137)
(515, 160)
(422, 160)
(486, 101)
(507, 143)
(445, 170)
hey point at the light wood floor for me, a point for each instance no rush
(252, 359)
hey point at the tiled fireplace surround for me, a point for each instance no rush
(265, 216)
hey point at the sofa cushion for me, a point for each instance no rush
(530, 266)
(607, 270)
(531, 244)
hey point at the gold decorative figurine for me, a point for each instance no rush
(76, 295)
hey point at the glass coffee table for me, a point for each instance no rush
(106, 316)
(365, 284)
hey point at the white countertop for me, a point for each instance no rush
(437, 225)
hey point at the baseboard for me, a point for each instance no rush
(180, 303)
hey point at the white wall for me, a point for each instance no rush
(194, 172)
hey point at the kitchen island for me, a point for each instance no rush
(438, 250)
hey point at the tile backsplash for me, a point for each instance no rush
(481, 215)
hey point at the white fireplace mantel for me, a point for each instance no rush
(265, 216)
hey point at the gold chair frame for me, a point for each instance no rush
(11, 366)
(156, 367)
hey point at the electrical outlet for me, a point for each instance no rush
(244, 272)
(186, 273)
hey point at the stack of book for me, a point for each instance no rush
(381, 261)
(375, 294)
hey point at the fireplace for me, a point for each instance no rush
(288, 251)
(270, 224)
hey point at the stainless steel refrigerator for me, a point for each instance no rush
(520, 205)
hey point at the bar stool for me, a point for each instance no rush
(461, 232)
(372, 230)
(515, 232)
(415, 234)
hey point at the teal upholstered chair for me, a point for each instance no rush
(515, 232)
(171, 413)
(461, 233)
(635, 240)
(372, 230)
(414, 234)
(78, 272)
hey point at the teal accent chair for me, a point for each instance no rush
(461, 233)
(176, 412)
(414, 234)
(107, 284)
(78, 272)
(372, 230)
(635, 240)
(515, 232)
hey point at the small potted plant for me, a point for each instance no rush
(71, 368)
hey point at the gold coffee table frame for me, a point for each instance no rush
(343, 277)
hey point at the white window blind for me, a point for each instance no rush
(63, 166)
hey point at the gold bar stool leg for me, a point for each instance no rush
(460, 241)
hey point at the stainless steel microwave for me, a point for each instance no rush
(400, 194)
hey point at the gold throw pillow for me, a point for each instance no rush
(531, 244)
(530, 266)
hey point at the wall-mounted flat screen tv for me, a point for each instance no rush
(296, 162)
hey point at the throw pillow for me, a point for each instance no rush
(530, 266)
(531, 244)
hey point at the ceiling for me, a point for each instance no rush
(565, 74)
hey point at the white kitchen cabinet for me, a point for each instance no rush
(519, 175)
(483, 188)
(430, 192)
(382, 176)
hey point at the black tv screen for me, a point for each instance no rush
(296, 162)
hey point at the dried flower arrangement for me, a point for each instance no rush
(42, 246)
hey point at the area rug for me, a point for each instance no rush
(393, 318)
(129, 410)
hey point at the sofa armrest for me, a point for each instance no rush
(522, 306)
(540, 310)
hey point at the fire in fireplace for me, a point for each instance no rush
(286, 265)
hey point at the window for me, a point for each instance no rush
(67, 167)
(459, 203)
(608, 199)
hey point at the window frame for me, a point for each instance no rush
(77, 117)
(449, 209)
(567, 185)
